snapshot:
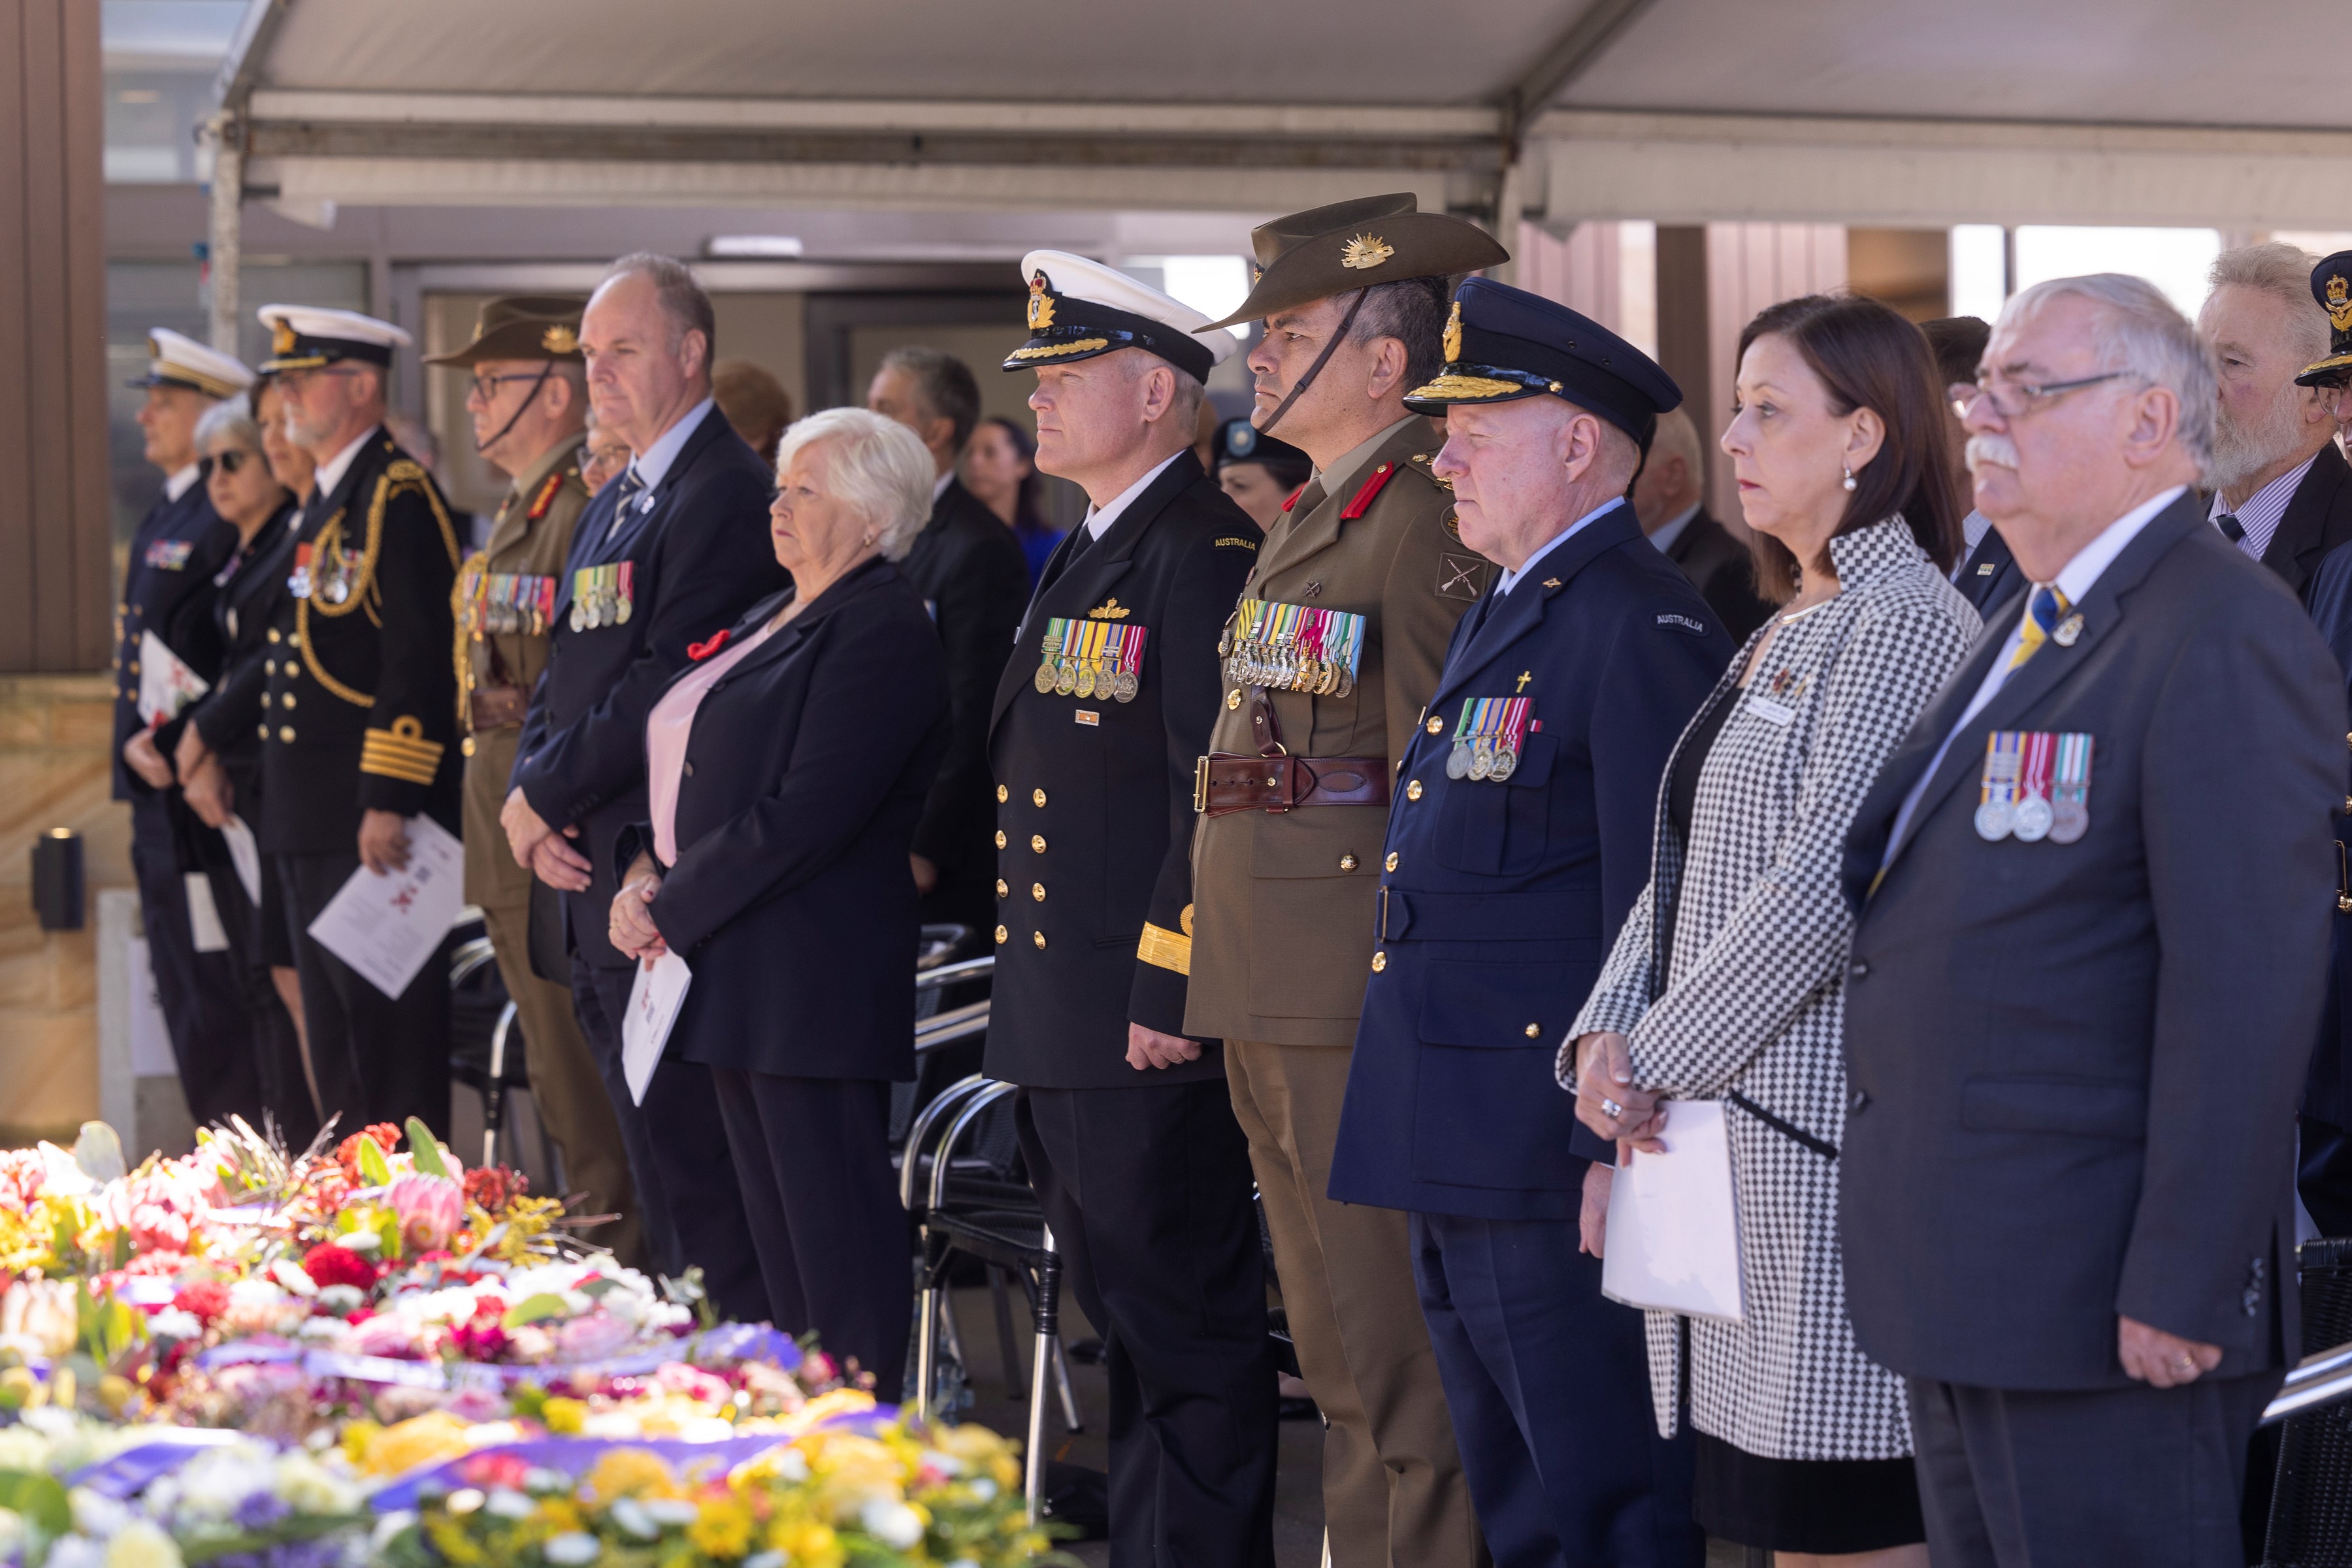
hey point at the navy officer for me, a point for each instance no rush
(1518, 840)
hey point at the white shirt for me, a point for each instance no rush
(1098, 520)
(1509, 579)
(1666, 532)
(331, 472)
(2075, 579)
(2264, 510)
(177, 485)
(939, 486)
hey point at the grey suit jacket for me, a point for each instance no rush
(2074, 1067)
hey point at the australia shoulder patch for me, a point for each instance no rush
(1674, 620)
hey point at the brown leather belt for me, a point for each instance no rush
(1225, 782)
(1273, 780)
(498, 707)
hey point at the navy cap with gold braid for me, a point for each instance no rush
(2331, 284)
(1079, 308)
(304, 337)
(1503, 344)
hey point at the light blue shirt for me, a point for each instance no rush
(652, 464)
(1510, 580)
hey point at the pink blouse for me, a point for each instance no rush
(666, 729)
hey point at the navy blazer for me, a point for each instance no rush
(805, 770)
(2318, 520)
(700, 555)
(2073, 1066)
(167, 589)
(1990, 575)
(1499, 902)
(1095, 798)
(229, 716)
(2327, 1091)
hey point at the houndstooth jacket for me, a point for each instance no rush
(1748, 1006)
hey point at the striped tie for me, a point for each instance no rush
(2044, 611)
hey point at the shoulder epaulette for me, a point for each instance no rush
(1372, 487)
(403, 470)
(546, 497)
(1420, 462)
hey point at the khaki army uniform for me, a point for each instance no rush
(501, 650)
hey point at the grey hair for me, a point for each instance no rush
(880, 470)
(945, 383)
(2140, 333)
(2283, 272)
(1677, 436)
(680, 292)
(231, 418)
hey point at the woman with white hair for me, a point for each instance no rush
(786, 766)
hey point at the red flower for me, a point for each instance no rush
(331, 1265)
(205, 1299)
(492, 1187)
(386, 1136)
(699, 651)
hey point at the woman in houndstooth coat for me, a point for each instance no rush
(1727, 980)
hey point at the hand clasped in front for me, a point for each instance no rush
(1607, 1099)
(632, 928)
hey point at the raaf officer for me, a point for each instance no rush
(1520, 839)
(1125, 1122)
(167, 591)
(1332, 652)
(529, 401)
(358, 727)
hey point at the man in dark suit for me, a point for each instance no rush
(1126, 1125)
(167, 591)
(969, 571)
(1669, 498)
(2066, 1205)
(673, 551)
(1986, 573)
(1521, 838)
(360, 706)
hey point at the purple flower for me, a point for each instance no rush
(259, 1510)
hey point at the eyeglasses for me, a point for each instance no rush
(228, 462)
(485, 387)
(2015, 399)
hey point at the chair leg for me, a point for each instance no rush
(926, 1334)
(1045, 1312)
(951, 1332)
(1004, 1341)
(1069, 1394)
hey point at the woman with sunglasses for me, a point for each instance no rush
(217, 746)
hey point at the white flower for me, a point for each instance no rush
(792, 1464)
(141, 1545)
(96, 1514)
(340, 1298)
(671, 1511)
(11, 1531)
(946, 1464)
(320, 1328)
(631, 1516)
(218, 1480)
(76, 1552)
(983, 1487)
(254, 1295)
(294, 1276)
(359, 1241)
(174, 1323)
(388, 1526)
(572, 1549)
(508, 1503)
(310, 1487)
(772, 1559)
(887, 1520)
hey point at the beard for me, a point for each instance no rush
(2243, 447)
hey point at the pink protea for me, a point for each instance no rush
(21, 1179)
(430, 1208)
(164, 1201)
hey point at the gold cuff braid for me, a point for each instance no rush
(401, 752)
(1166, 949)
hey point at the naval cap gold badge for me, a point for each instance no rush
(1454, 334)
(1041, 305)
(2339, 303)
(281, 336)
(1365, 252)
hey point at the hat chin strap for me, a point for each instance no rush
(520, 408)
(1320, 361)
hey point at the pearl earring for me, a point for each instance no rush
(1848, 478)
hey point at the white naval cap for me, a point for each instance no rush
(178, 360)
(1079, 308)
(303, 337)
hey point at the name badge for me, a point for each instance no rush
(1773, 713)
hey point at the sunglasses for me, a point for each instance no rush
(228, 462)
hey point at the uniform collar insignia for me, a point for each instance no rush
(1551, 582)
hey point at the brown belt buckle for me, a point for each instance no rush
(1200, 786)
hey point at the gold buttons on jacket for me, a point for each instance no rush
(1002, 795)
(287, 699)
(1000, 838)
(1348, 862)
(1234, 699)
(1002, 936)
(1037, 797)
(1391, 861)
(1038, 891)
(1534, 1031)
(1037, 842)
(1380, 962)
(1413, 790)
(1039, 938)
(1438, 726)
(1000, 889)
(273, 634)
(268, 667)
(286, 733)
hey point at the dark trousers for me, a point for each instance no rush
(2151, 1477)
(688, 1195)
(1148, 1191)
(378, 1059)
(813, 1158)
(203, 1006)
(1548, 1385)
(283, 1087)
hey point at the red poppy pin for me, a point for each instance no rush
(699, 651)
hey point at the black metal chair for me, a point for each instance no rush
(487, 1046)
(2311, 1502)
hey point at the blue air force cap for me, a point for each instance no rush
(1503, 344)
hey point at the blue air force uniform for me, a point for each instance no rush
(167, 589)
(1519, 840)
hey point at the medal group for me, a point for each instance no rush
(323, 573)
(513, 601)
(1293, 647)
(1080, 658)
(1488, 736)
(602, 595)
(2037, 785)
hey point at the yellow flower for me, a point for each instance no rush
(629, 1472)
(722, 1530)
(563, 1418)
(807, 1544)
(424, 1439)
(140, 1544)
